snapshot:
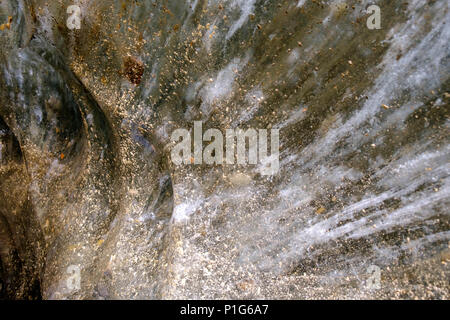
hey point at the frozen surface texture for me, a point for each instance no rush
(87, 183)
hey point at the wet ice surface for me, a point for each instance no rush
(364, 148)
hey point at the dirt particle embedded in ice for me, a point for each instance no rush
(445, 256)
(133, 69)
(320, 210)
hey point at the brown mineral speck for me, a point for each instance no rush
(445, 256)
(320, 210)
(8, 24)
(133, 70)
(245, 285)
